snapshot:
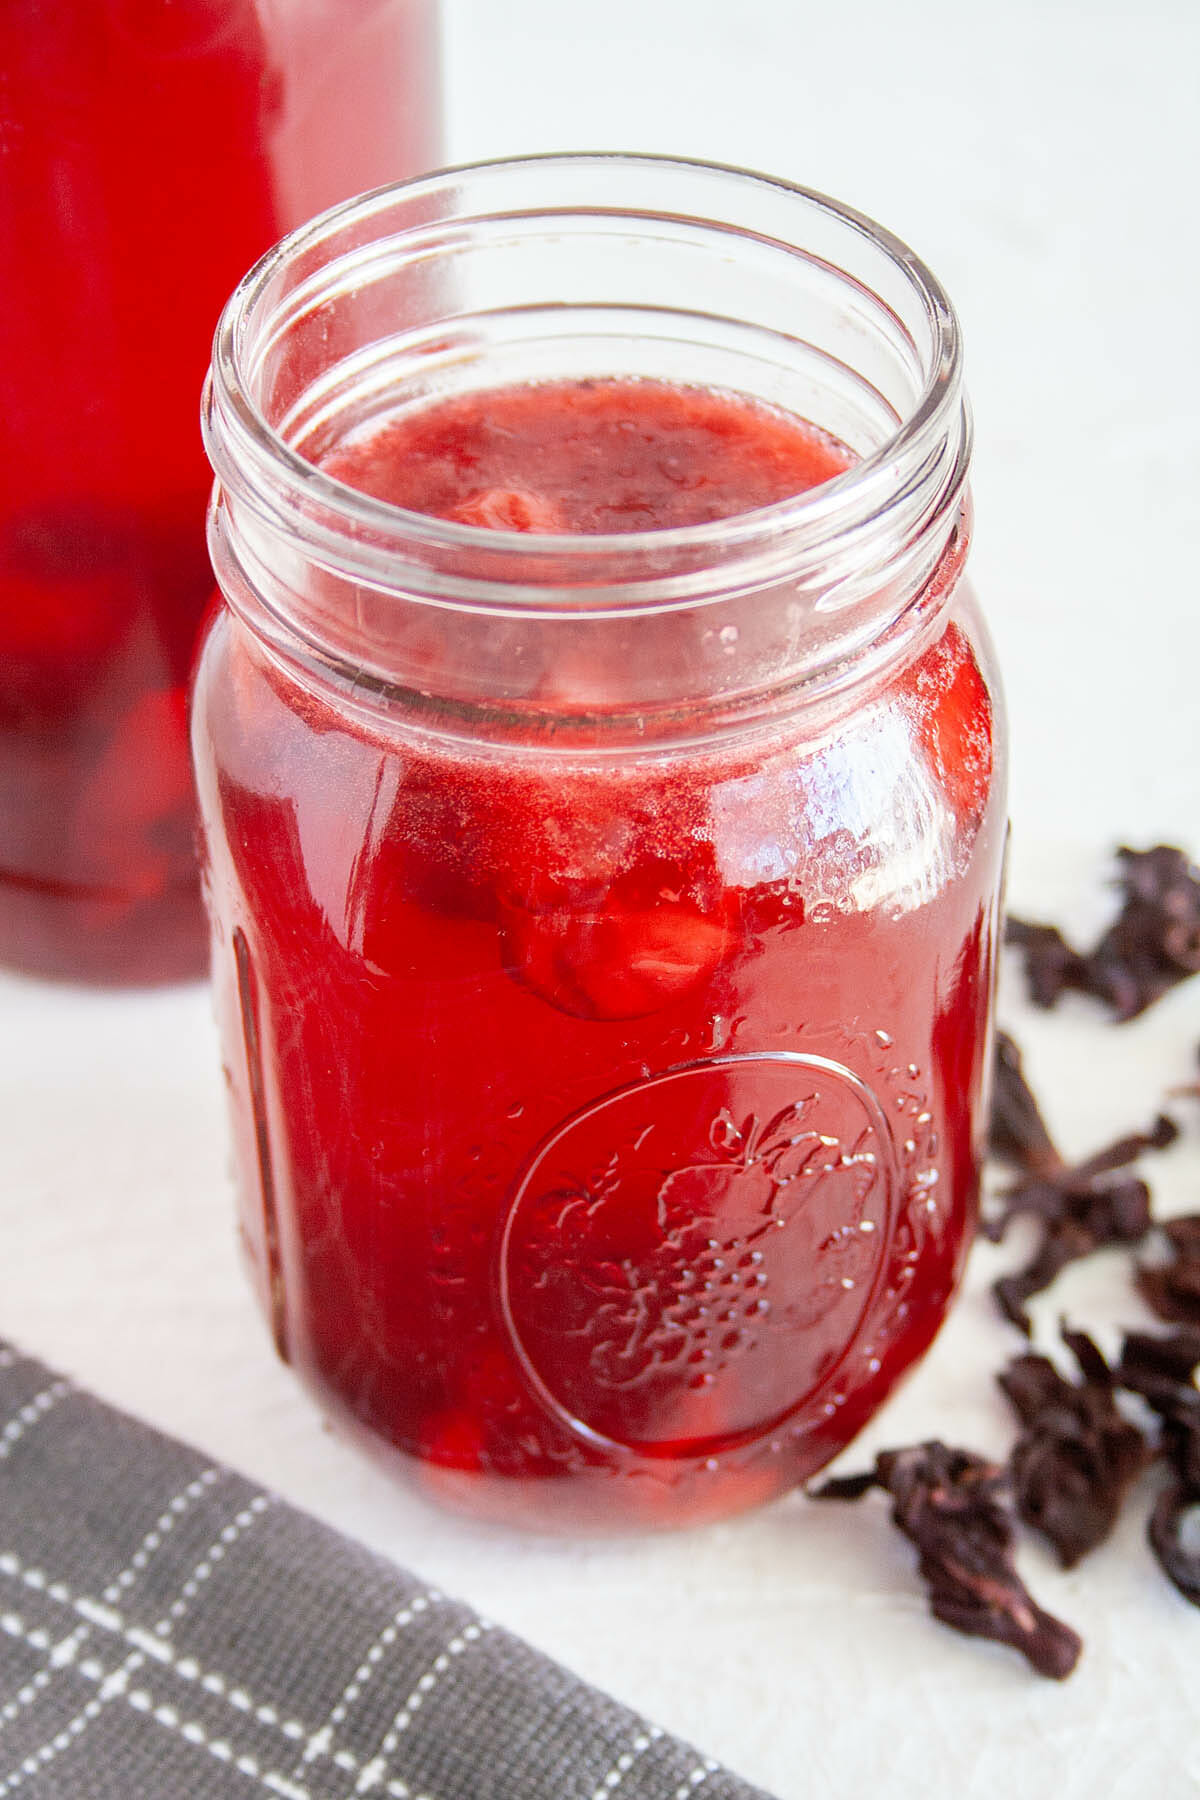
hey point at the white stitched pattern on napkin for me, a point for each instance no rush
(167, 1629)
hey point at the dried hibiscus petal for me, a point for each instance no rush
(1051, 965)
(1062, 1243)
(1018, 1133)
(956, 1509)
(1077, 1454)
(1054, 1189)
(1162, 1370)
(1081, 1207)
(1153, 943)
(1172, 1289)
(1174, 1534)
(1154, 1363)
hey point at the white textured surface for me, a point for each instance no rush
(1042, 158)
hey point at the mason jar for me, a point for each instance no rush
(604, 919)
(151, 150)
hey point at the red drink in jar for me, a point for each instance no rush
(153, 149)
(603, 800)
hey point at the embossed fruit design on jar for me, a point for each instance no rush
(602, 782)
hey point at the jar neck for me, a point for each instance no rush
(569, 267)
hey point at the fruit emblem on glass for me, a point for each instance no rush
(680, 1294)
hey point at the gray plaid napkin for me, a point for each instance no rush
(168, 1631)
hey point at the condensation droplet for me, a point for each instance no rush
(728, 635)
(884, 1039)
(515, 1110)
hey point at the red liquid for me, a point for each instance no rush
(589, 456)
(152, 150)
(609, 1125)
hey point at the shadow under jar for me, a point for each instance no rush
(604, 923)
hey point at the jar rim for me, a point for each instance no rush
(238, 431)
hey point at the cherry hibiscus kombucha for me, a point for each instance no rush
(602, 788)
(152, 149)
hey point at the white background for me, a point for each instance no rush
(1042, 158)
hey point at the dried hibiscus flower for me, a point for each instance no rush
(956, 1508)
(1153, 943)
(1162, 1370)
(1077, 1454)
(1081, 1206)
(1172, 1289)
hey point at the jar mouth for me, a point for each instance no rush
(894, 489)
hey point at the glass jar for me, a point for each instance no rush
(152, 150)
(604, 925)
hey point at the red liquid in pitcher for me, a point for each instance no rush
(152, 151)
(614, 1119)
